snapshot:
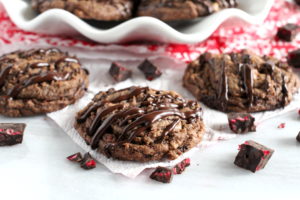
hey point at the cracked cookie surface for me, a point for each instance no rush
(241, 82)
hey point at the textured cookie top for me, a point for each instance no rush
(182, 9)
(112, 10)
(241, 81)
(139, 116)
(44, 74)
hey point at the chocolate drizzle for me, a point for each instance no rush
(248, 82)
(223, 92)
(136, 119)
(43, 77)
(35, 78)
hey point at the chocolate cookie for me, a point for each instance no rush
(113, 10)
(39, 81)
(241, 82)
(174, 10)
(141, 124)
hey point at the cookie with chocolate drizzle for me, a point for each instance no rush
(241, 82)
(104, 10)
(176, 10)
(141, 124)
(39, 81)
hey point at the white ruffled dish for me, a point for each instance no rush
(57, 21)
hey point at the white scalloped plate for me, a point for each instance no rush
(57, 21)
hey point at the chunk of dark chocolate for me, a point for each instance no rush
(150, 71)
(88, 162)
(297, 2)
(294, 58)
(253, 156)
(287, 32)
(77, 157)
(298, 137)
(162, 174)
(241, 122)
(180, 167)
(119, 73)
(11, 133)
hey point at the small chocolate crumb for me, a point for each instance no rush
(241, 122)
(287, 32)
(298, 137)
(150, 71)
(294, 58)
(88, 162)
(162, 174)
(11, 133)
(77, 157)
(180, 167)
(119, 73)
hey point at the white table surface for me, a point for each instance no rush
(38, 169)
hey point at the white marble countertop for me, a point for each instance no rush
(37, 169)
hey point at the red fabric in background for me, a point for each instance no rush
(259, 38)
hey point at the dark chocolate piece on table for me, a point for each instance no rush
(298, 137)
(241, 122)
(119, 73)
(150, 70)
(162, 174)
(294, 58)
(297, 2)
(77, 157)
(253, 156)
(88, 162)
(180, 167)
(287, 32)
(11, 133)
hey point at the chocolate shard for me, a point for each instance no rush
(287, 32)
(253, 156)
(88, 162)
(119, 73)
(298, 137)
(294, 58)
(241, 122)
(150, 71)
(180, 167)
(77, 157)
(162, 174)
(11, 133)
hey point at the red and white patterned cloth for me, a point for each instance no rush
(259, 38)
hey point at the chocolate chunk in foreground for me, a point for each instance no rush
(11, 133)
(241, 122)
(119, 73)
(77, 157)
(150, 70)
(287, 32)
(180, 167)
(253, 156)
(294, 58)
(162, 174)
(88, 162)
(298, 137)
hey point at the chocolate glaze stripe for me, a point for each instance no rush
(284, 91)
(134, 91)
(107, 122)
(168, 129)
(3, 74)
(223, 92)
(43, 77)
(248, 82)
(97, 121)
